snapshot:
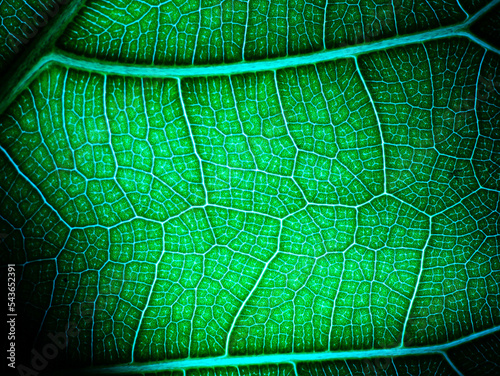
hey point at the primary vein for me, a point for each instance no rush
(37, 63)
(234, 361)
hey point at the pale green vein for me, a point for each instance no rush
(94, 65)
(10, 92)
(188, 125)
(35, 187)
(235, 361)
(379, 124)
(417, 284)
(148, 301)
(250, 294)
(447, 358)
(487, 46)
(29, 63)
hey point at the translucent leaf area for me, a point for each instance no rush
(255, 187)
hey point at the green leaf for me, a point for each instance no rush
(252, 187)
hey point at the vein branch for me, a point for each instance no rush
(27, 65)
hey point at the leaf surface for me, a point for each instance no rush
(258, 187)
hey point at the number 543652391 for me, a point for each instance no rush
(11, 288)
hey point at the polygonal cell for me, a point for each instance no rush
(458, 292)
(388, 222)
(214, 261)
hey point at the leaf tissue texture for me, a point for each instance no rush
(204, 32)
(254, 187)
(20, 21)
